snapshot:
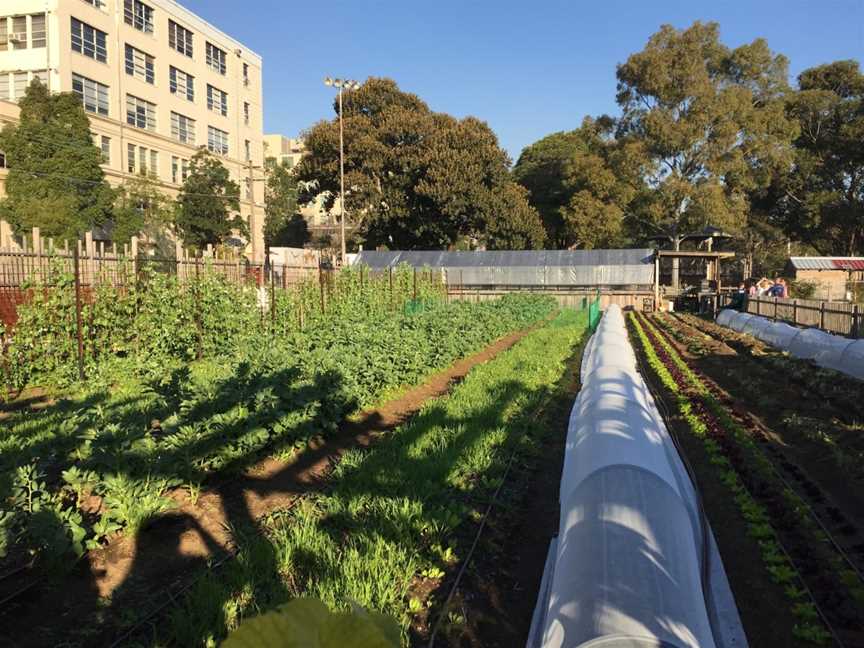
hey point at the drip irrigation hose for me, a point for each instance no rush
(803, 584)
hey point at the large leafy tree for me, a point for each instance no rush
(208, 203)
(712, 123)
(142, 208)
(415, 178)
(822, 200)
(55, 179)
(283, 224)
(582, 182)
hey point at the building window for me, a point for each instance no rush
(93, 94)
(2, 160)
(248, 183)
(248, 150)
(179, 38)
(140, 113)
(153, 168)
(20, 85)
(216, 59)
(4, 87)
(38, 35)
(145, 162)
(217, 141)
(140, 65)
(4, 34)
(245, 74)
(246, 112)
(42, 75)
(89, 41)
(182, 128)
(217, 101)
(18, 37)
(139, 15)
(105, 147)
(181, 83)
(179, 170)
(99, 4)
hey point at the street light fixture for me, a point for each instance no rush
(342, 84)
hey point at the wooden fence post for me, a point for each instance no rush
(856, 324)
(795, 311)
(321, 288)
(822, 315)
(78, 326)
(775, 309)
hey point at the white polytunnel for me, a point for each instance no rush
(779, 335)
(824, 349)
(739, 320)
(634, 564)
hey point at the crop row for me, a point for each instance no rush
(841, 390)
(158, 318)
(101, 459)
(834, 436)
(771, 511)
(392, 523)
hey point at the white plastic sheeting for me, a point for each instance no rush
(824, 349)
(627, 566)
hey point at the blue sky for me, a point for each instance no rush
(526, 68)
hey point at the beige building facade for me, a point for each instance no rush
(290, 151)
(157, 81)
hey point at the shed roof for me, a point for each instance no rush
(527, 267)
(827, 263)
(508, 258)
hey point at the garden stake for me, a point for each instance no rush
(75, 265)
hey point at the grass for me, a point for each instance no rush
(394, 518)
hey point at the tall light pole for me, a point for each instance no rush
(342, 84)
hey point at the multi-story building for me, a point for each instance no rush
(157, 81)
(284, 149)
(290, 151)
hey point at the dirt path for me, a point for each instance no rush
(134, 574)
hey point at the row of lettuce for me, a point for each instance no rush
(101, 458)
(795, 551)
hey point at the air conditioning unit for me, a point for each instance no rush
(18, 37)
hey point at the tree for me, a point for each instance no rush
(415, 178)
(206, 201)
(582, 183)
(822, 200)
(142, 208)
(283, 224)
(712, 122)
(55, 180)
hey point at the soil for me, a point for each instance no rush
(135, 573)
(813, 559)
(748, 383)
(495, 601)
(764, 610)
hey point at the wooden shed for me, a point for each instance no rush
(832, 276)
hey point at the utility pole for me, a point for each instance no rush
(342, 84)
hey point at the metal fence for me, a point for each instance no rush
(842, 318)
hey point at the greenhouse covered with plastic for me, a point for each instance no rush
(826, 350)
(614, 269)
